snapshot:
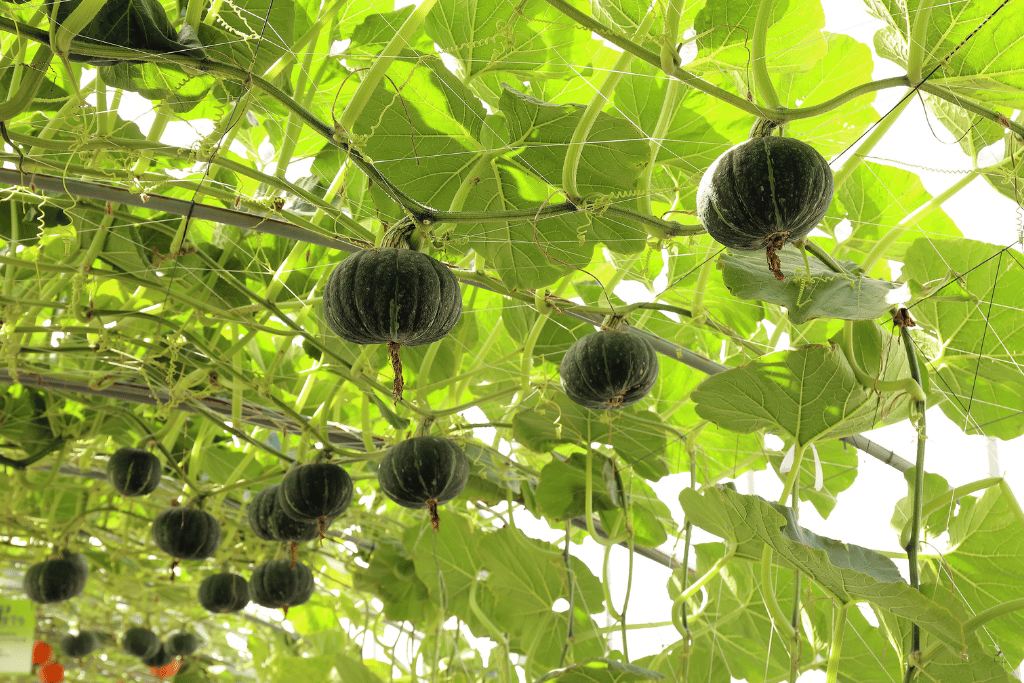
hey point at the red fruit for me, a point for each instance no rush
(51, 673)
(165, 671)
(41, 653)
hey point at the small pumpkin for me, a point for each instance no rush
(56, 579)
(281, 583)
(608, 369)
(224, 592)
(394, 296)
(133, 471)
(140, 642)
(269, 521)
(317, 491)
(423, 472)
(79, 645)
(181, 643)
(158, 659)
(186, 533)
(764, 193)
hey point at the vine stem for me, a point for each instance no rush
(907, 384)
(879, 130)
(589, 506)
(918, 502)
(401, 39)
(759, 62)
(918, 36)
(574, 152)
(779, 618)
(836, 646)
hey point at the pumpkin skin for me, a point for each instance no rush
(222, 593)
(400, 297)
(186, 533)
(56, 580)
(763, 192)
(140, 642)
(134, 472)
(608, 369)
(78, 646)
(423, 472)
(392, 295)
(160, 658)
(269, 522)
(315, 491)
(181, 644)
(280, 583)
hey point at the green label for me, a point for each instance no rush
(17, 627)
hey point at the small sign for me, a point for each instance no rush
(17, 631)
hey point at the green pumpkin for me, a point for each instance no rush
(764, 193)
(269, 521)
(423, 472)
(392, 296)
(182, 643)
(223, 593)
(159, 658)
(281, 583)
(78, 646)
(57, 579)
(133, 472)
(608, 369)
(315, 492)
(187, 533)
(140, 642)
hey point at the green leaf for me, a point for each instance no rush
(838, 469)
(848, 572)
(826, 294)
(978, 339)
(809, 394)
(561, 493)
(601, 670)
(392, 577)
(934, 524)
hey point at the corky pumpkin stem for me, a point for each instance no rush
(398, 236)
(773, 243)
(435, 521)
(396, 366)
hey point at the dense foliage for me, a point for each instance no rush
(181, 179)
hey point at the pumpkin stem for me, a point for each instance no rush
(321, 526)
(435, 521)
(174, 563)
(295, 551)
(773, 243)
(396, 366)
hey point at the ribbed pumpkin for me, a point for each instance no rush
(57, 579)
(223, 593)
(317, 491)
(159, 658)
(133, 472)
(140, 642)
(423, 472)
(79, 645)
(281, 583)
(186, 533)
(764, 193)
(394, 296)
(269, 521)
(181, 643)
(608, 369)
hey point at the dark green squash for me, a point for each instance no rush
(394, 296)
(140, 642)
(764, 193)
(81, 645)
(186, 533)
(56, 579)
(159, 658)
(608, 369)
(423, 472)
(315, 492)
(224, 592)
(133, 472)
(269, 521)
(181, 643)
(281, 583)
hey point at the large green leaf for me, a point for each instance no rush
(981, 339)
(809, 394)
(850, 573)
